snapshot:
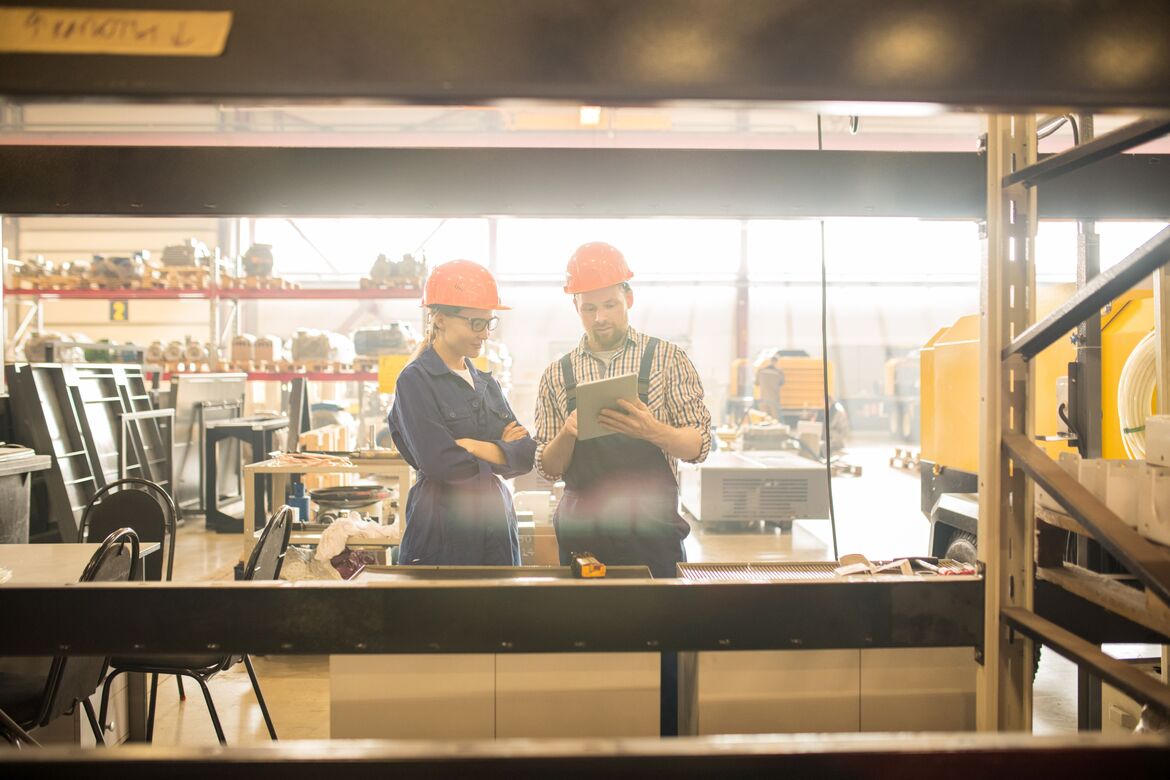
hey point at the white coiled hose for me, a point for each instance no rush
(1135, 396)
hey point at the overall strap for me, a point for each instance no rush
(644, 370)
(570, 380)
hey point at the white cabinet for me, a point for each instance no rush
(811, 691)
(487, 696)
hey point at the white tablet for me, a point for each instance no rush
(592, 397)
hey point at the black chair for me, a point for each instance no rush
(263, 564)
(139, 504)
(149, 509)
(32, 700)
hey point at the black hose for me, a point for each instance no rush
(825, 365)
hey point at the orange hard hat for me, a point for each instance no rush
(462, 283)
(595, 265)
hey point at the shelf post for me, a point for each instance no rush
(1004, 690)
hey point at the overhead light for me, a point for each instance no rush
(590, 116)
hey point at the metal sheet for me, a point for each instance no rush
(993, 54)
(141, 181)
(953, 756)
(805, 571)
(501, 616)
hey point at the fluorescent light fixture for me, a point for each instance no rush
(590, 116)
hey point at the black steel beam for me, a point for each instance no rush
(1148, 562)
(1093, 297)
(226, 182)
(1108, 145)
(996, 54)
(496, 616)
(1134, 682)
(967, 756)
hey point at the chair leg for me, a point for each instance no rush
(259, 696)
(182, 693)
(16, 735)
(211, 710)
(98, 736)
(151, 709)
(104, 709)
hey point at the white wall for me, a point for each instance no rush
(77, 238)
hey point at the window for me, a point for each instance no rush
(348, 247)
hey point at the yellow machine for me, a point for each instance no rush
(949, 365)
(803, 380)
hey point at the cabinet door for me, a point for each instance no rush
(412, 696)
(577, 695)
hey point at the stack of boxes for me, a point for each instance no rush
(1136, 491)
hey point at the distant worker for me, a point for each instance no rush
(770, 379)
(839, 427)
(452, 423)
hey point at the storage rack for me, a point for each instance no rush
(220, 326)
(1018, 547)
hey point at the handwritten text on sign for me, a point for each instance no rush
(110, 31)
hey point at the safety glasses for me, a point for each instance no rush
(479, 324)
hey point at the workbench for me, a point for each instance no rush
(384, 466)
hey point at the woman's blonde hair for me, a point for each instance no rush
(430, 332)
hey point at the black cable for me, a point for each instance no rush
(1040, 136)
(825, 364)
(1068, 119)
(1062, 413)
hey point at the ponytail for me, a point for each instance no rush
(430, 332)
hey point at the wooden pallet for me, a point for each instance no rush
(846, 470)
(180, 277)
(146, 283)
(51, 282)
(366, 365)
(322, 366)
(260, 366)
(183, 367)
(904, 459)
(260, 283)
(393, 283)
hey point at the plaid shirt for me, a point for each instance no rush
(675, 398)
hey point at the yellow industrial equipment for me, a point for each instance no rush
(389, 367)
(949, 365)
(803, 381)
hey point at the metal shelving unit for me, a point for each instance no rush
(221, 293)
(220, 326)
(1018, 547)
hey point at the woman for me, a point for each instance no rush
(453, 425)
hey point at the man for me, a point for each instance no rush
(770, 379)
(621, 490)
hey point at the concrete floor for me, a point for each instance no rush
(877, 514)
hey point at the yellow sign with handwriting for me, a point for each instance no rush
(34, 30)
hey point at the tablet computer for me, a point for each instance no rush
(592, 397)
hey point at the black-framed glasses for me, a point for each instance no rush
(478, 324)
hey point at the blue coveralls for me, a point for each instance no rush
(459, 512)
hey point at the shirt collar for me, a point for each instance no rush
(631, 338)
(435, 366)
